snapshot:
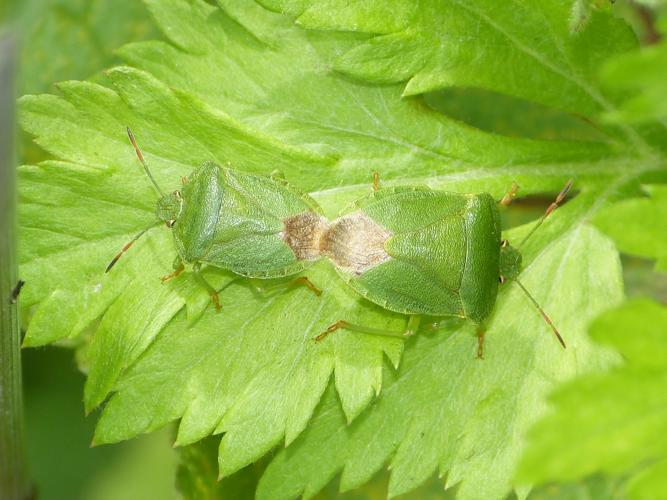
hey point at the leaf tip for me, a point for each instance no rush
(89, 404)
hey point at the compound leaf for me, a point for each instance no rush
(244, 84)
(461, 416)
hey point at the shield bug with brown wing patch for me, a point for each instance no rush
(255, 226)
(419, 251)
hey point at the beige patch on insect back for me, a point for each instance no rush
(303, 234)
(355, 243)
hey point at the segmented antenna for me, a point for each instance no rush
(546, 318)
(143, 162)
(127, 247)
(556, 203)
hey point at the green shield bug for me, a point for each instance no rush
(253, 225)
(418, 251)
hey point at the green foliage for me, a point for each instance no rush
(71, 38)
(641, 76)
(614, 422)
(68, 39)
(526, 51)
(594, 488)
(135, 470)
(639, 226)
(197, 479)
(197, 476)
(241, 83)
(511, 116)
(444, 409)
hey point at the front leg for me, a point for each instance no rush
(179, 267)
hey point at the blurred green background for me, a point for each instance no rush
(75, 39)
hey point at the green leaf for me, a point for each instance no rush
(225, 372)
(243, 84)
(594, 488)
(641, 76)
(197, 479)
(444, 409)
(197, 476)
(649, 482)
(527, 50)
(511, 116)
(360, 127)
(616, 422)
(639, 226)
(67, 39)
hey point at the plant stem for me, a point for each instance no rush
(13, 482)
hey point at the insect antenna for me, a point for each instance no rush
(143, 162)
(546, 318)
(127, 247)
(554, 205)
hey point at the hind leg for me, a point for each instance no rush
(410, 329)
(300, 281)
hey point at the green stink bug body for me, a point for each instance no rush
(243, 222)
(412, 250)
(417, 251)
(432, 252)
(252, 225)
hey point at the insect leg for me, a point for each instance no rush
(301, 281)
(480, 342)
(304, 281)
(178, 269)
(211, 291)
(376, 181)
(410, 329)
(510, 195)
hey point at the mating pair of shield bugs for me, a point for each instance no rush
(410, 249)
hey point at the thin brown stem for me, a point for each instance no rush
(13, 477)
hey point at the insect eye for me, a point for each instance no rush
(170, 223)
(501, 279)
(504, 243)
